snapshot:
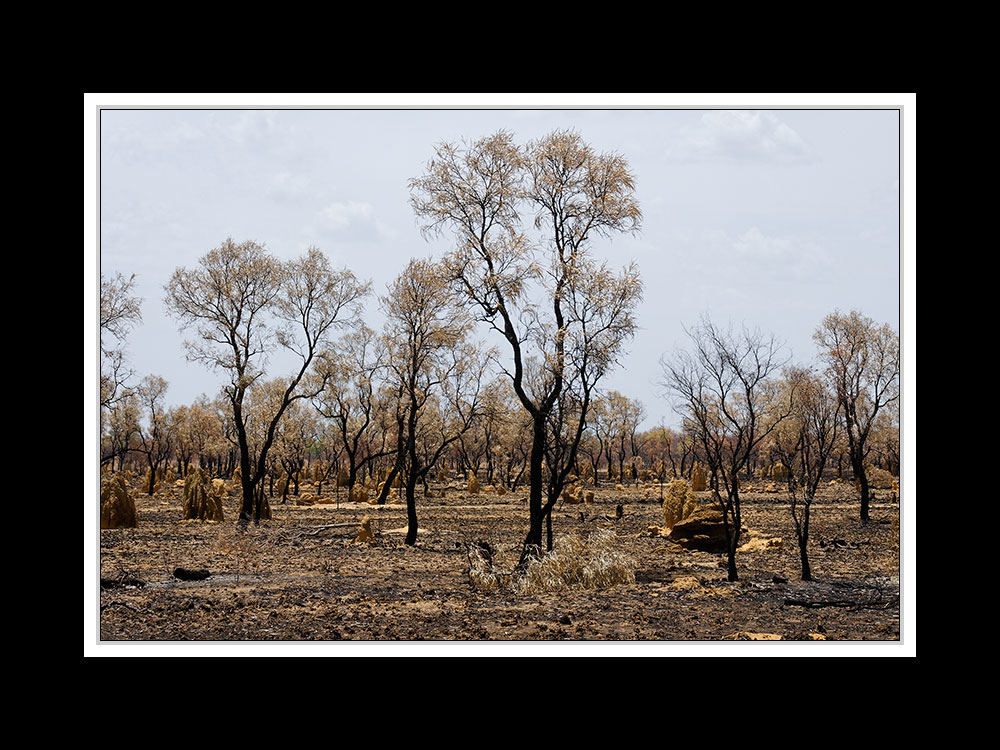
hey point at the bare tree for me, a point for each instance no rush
(727, 395)
(519, 287)
(803, 443)
(350, 399)
(120, 313)
(123, 429)
(862, 364)
(493, 415)
(602, 307)
(591, 445)
(156, 439)
(178, 419)
(884, 438)
(203, 431)
(243, 303)
(624, 416)
(438, 371)
(510, 450)
(297, 433)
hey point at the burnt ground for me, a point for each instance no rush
(299, 578)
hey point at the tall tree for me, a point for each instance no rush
(727, 394)
(862, 365)
(803, 443)
(438, 371)
(478, 192)
(243, 303)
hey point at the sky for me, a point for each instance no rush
(762, 215)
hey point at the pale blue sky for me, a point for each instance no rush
(773, 217)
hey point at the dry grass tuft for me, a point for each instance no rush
(599, 561)
(482, 569)
(593, 563)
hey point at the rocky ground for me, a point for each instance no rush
(299, 577)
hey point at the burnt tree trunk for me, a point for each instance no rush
(411, 509)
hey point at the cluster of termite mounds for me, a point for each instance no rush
(202, 496)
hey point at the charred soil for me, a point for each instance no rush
(299, 576)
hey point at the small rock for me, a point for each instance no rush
(779, 579)
(564, 620)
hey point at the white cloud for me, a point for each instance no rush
(799, 256)
(342, 215)
(351, 221)
(744, 135)
(752, 257)
(287, 187)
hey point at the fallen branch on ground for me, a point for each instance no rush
(817, 605)
(317, 529)
(842, 603)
